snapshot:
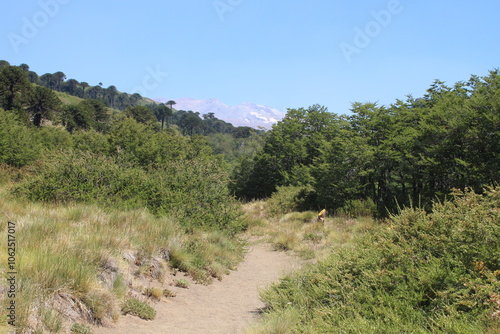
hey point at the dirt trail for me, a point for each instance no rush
(226, 306)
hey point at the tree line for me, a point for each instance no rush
(35, 100)
(58, 81)
(409, 153)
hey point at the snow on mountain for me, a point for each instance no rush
(245, 114)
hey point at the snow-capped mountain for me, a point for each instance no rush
(245, 114)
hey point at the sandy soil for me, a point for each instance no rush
(226, 306)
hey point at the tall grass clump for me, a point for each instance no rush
(358, 208)
(421, 272)
(84, 260)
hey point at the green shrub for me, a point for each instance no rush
(91, 141)
(17, 145)
(53, 138)
(140, 309)
(421, 273)
(182, 283)
(287, 199)
(195, 191)
(80, 329)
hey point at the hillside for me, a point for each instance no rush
(108, 208)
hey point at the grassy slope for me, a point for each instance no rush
(84, 261)
(68, 99)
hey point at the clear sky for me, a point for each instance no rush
(278, 53)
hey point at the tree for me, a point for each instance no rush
(208, 116)
(88, 114)
(48, 80)
(162, 111)
(288, 152)
(71, 86)
(33, 77)
(84, 86)
(24, 67)
(99, 92)
(77, 117)
(18, 147)
(136, 97)
(93, 92)
(141, 114)
(99, 112)
(14, 87)
(111, 91)
(243, 132)
(4, 63)
(42, 103)
(122, 101)
(189, 122)
(171, 103)
(59, 79)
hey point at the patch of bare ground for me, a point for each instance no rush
(226, 306)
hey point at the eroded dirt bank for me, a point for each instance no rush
(226, 306)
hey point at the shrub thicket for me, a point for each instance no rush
(192, 191)
(421, 273)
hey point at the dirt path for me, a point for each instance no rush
(226, 306)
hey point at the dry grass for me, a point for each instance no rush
(301, 232)
(95, 256)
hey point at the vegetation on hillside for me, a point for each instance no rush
(104, 201)
(108, 191)
(19, 86)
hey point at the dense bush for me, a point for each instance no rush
(193, 191)
(420, 273)
(286, 200)
(16, 141)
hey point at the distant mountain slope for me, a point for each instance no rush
(245, 114)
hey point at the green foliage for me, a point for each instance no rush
(91, 141)
(358, 208)
(141, 114)
(140, 309)
(16, 142)
(14, 87)
(80, 329)
(193, 191)
(42, 104)
(410, 152)
(287, 199)
(420, 273)
(135, 143)
(292, 146)
(86, 115)
(51, 139)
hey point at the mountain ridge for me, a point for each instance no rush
(245, 114)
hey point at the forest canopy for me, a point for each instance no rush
(409, 153)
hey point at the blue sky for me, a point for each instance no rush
(282, 54)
